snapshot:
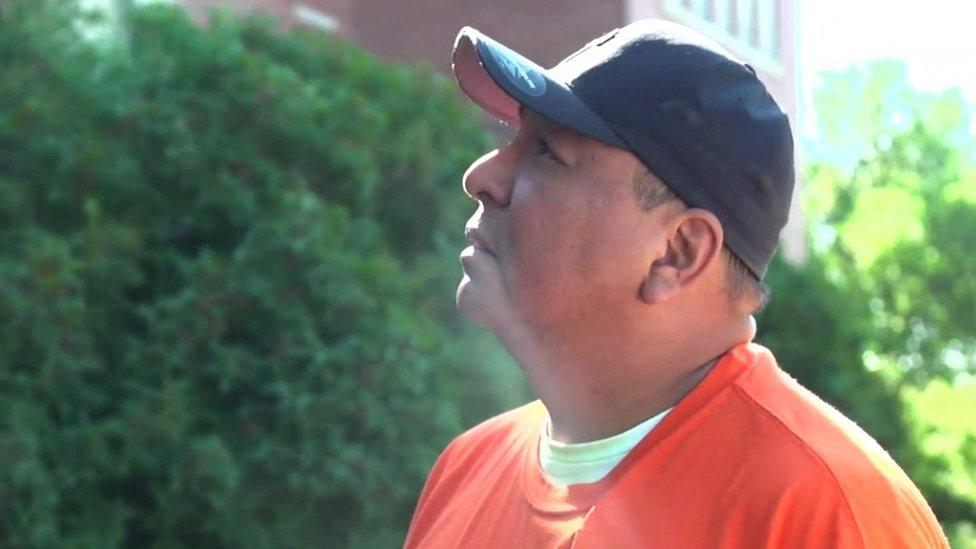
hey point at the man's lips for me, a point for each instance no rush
(477, 239)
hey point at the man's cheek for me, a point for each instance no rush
(540, 282)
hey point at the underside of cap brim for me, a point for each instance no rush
(478, 63)
(475, 81)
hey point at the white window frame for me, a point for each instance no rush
(761, 58)
(314, 18)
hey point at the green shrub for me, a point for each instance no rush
(216, 323)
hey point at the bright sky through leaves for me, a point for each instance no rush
(935, 39)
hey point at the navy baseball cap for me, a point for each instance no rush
(696, 116)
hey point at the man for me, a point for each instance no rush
(617, 252)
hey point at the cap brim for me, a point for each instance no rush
(499, 79)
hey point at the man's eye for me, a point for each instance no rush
(543, 149)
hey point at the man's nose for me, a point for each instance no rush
(490, 180)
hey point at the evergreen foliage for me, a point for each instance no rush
(216, 322)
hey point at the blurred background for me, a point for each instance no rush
(229, 235)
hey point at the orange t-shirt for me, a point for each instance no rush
(748, 458)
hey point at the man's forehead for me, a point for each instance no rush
(536, 119)
(553, 128)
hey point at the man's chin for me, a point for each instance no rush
(473, 303)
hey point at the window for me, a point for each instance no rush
(749, 27)
(314, 18)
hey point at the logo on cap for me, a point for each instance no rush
(525, 77)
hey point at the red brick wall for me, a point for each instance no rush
(198, 8)
(543, 30)
(283, 10)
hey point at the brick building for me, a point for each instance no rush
(761, 32)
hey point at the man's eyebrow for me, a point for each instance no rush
(548, 126)
(522, 110)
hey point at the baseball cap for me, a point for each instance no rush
(696, 116)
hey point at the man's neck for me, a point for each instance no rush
(602, 384)
(589, 417)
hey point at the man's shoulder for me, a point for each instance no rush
(500, 431)
(496, 445)
(799, 438)
(798, 419)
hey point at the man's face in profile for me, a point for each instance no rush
(559, 235)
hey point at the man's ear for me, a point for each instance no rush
(694, 243)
